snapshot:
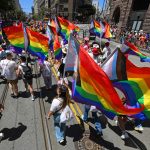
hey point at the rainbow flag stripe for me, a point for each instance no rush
(38, 44)
(88, 79)
(130, 49)
(15, 36)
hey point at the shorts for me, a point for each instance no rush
(13, 81)
(28, 81)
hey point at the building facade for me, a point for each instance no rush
(132, 14)
(36, 7)
(18, 6)
(64, 8)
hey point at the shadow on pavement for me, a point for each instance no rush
(131, 141)
(50, 94)
(75, 131)
(135, 143)
(146, 123)
(13, 133)
(24, 94)
(100, 141)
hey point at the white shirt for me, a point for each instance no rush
(46, 69)
(56, 104)
(9, 69)
(106, 52)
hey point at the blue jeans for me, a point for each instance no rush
(94, 115)
(60, 128)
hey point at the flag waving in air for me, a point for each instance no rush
(15, 36)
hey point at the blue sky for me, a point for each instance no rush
(27, 4)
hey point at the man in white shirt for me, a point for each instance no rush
(9, 68)
(106, 51)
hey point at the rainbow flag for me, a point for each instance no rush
(130, 49)
(15, 36)
(93, 87)
(57, 48)
(65, 28)
(132, 81)
(38, 44)
(106, 30)
(96, 28)
(137, 88)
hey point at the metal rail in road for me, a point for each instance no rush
(45, 127)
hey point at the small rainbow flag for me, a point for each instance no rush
(57, 48)
(15, 36)
(65, 28)
(96, 28)
(130, 49)
(93, 87)
(38, 44)
(106, 30)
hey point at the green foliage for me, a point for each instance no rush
(85, 12)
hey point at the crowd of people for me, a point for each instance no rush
(138, 38)
(21, 67)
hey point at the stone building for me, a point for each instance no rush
(132, 14)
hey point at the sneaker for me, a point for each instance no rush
(82, 117)
(1, 136)
(32, 97)
(139, 128)
(124, 136)
(61, 141)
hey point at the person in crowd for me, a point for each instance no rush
(58, 104)
(1, 109)
(25, 70)
(63, 61)
(94, 111)
(86, 44)
(106, 51)
(45, 69)
(9, 71)
(138, 125)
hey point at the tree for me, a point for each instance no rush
(86, 11)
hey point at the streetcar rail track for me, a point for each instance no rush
(45, 123)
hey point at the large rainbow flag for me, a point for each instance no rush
(15, 36)
(38, 44)
(93, 87)
(134, 83)
(65, 28)
(130, 49)
(96, 28)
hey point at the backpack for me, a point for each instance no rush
(6, 72)
(27, 72)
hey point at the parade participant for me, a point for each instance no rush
(86, 44)
(94, 111)
(122, 119)
(1, 109)
(63, 61)
(27, 76)
(45, 69)
(9, 68)
(57, 106)
(106, 51)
